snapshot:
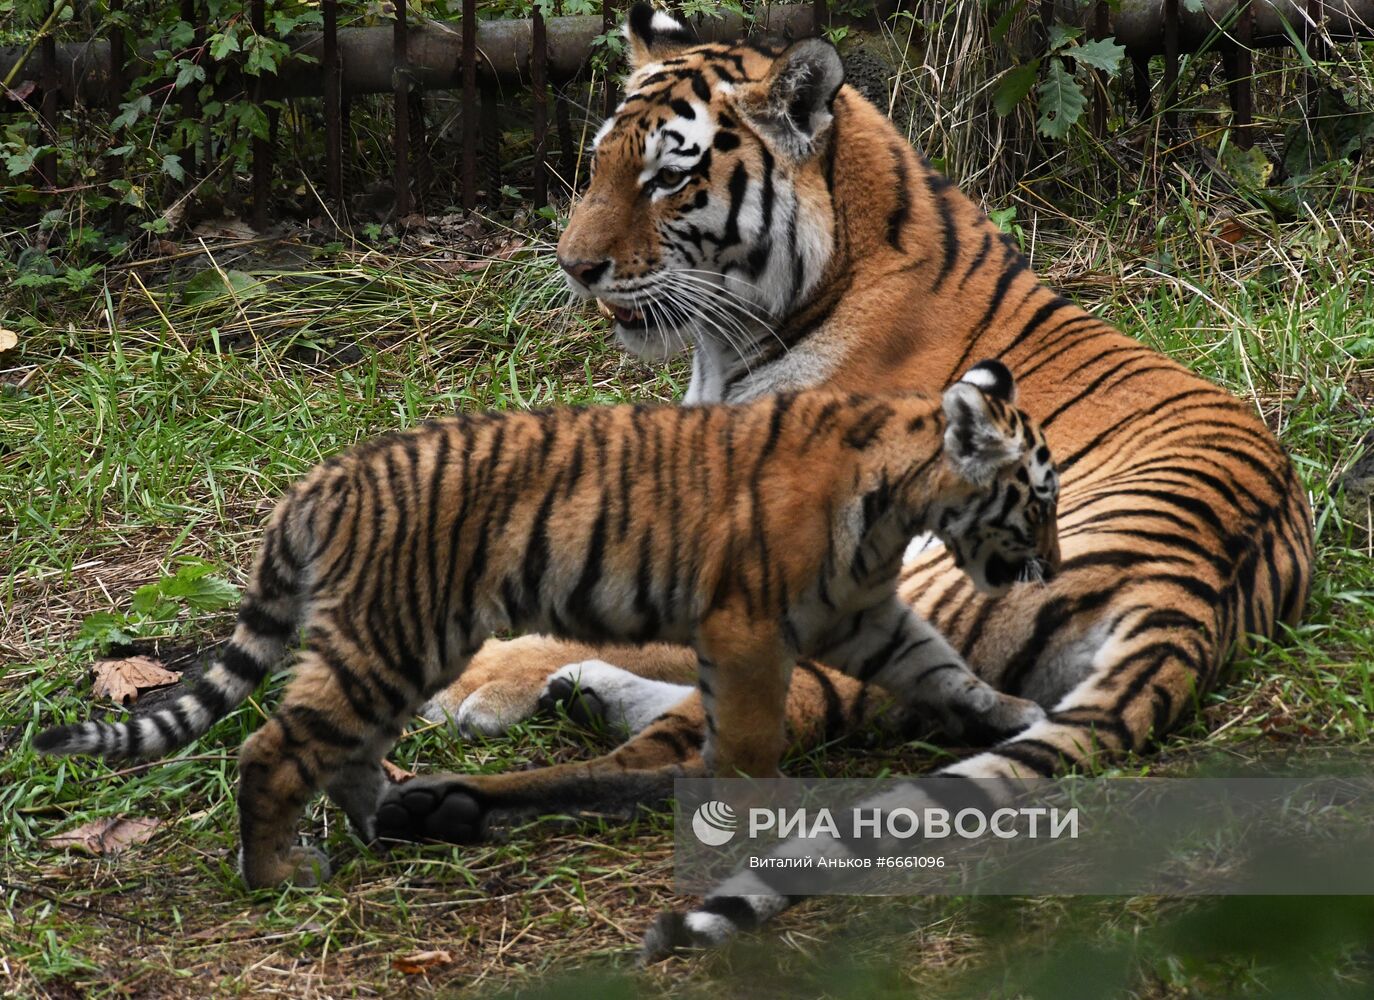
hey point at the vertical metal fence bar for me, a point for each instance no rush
(1100, 96)
(607, 25)
(47, 56)
(116, 55)
(469, 105)
(1314, 38)
(190, 103)
(567, 154)
(1170, 98)
(333, 132)
(400, 84)
(489, 118)
(1242, 89)
(539, 78)
(262, 148)
(820, 15)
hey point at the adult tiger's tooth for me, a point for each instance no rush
(604, 309)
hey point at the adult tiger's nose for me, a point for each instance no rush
(585, 272)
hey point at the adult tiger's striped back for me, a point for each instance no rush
(746, 204)
(755, 534)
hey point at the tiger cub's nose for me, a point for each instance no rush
(585, 272)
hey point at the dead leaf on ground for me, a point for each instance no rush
(225, 229)
(21, 91)
(106, 836)
(9, 340)
(395, 773)
(420, 961)
(125, 679)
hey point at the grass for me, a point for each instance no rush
(155, 417)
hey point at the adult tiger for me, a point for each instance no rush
(743, 201)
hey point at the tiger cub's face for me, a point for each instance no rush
(708, 207)
(1006, 530)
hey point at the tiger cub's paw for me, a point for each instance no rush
(430, 808)
(490, 710)
(302, 866)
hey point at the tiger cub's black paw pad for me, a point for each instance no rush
(416, 811)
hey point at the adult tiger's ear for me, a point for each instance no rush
(979, 442)
(793, 105)
(654, 35)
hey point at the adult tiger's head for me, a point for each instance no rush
(708, 207)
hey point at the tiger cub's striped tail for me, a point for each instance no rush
(268, 618)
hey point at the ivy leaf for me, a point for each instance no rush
(1193, 6)
(1061, 101)
(171, 166)
(1061, 35)
(1016, 84)
(1100, 53)
(189, 73)
(222, 44)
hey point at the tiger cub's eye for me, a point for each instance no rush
(669, 177)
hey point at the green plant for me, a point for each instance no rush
(156, 608)
(1061, 97)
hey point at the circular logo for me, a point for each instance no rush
(714, 823)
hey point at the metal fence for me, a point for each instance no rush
(411, 56)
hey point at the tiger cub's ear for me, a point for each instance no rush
(979, 441)
(654, 35)
(792, 106)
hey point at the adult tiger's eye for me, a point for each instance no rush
(669, 177)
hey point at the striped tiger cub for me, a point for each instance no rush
(754, 534)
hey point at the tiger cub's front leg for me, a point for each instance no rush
(744, 669)
(892, 646)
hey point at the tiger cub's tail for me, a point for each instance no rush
(268, 619)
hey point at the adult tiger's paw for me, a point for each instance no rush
(594, 691)
(432, 808)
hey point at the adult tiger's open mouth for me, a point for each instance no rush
(632, 319)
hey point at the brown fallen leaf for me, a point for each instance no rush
(123, 680)
(395, 773)
(224, 229)
(106, 836)
(9, 340)
(420, 961)
(21, 91)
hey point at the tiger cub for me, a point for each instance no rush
(755, 533)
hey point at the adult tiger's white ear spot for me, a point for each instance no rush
(654, 35)
(994, 378)
(975, 443)
(793, 105)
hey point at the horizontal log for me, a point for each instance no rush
(435, 48)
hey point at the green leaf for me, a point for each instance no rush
(1193, 6)
(101, 631)
(211, 284)
(1061, 35)
(1061, 101)
(204, 593)
(222, 44)
(1016, 84)
(1100, 53)
(189, 73)
(171, 166)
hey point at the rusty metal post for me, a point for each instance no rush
(116, 56)
(1140, 79)
(469, 105)
(821, 17)
(539, 79)
(400, 83)
(47, 55)
(608, 25)
(1169, 101)
(490, 121)
(262, 148)
(190, 103)
(1100, 96)
(333, 132)
(1242, 77)
(567, 155)
(1314, 39)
